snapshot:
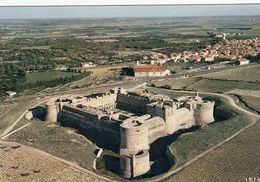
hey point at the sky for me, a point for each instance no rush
(116, 2)
(128, 11)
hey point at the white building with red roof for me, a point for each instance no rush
(150, 71)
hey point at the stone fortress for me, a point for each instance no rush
(136, 118)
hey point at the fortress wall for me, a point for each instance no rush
(76, 120)
(156, 128)
(204, 112)
(85, 119)
(104, 137)
(109, 125)
(131, 103)
(90, 117)
(182, 119)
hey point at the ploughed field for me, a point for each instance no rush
(236, 160)
(58, 141)
(19, 163)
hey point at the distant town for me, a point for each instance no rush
(233, 50)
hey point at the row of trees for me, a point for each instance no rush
(18, 82)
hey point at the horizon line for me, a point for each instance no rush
(157, 17)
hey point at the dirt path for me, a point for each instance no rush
(3, 115)
(7, 130)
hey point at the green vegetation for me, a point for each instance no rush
(43, 45)
(46, 76)
(17, 80)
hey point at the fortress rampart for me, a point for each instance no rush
(135, 120)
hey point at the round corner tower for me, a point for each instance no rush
(134, 146)
(134, 136)
(133, 165)
(204, 112)
(51, 111)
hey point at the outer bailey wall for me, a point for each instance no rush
(133, 104)
(102, 101)
(77, 114)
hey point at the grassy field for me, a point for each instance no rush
(240, 78)
(245, 74)
(46, 76)
(207, 85)
(236, 160)
(5, 108)
(59, 141)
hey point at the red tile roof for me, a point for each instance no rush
(149, 68)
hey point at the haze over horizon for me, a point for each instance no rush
(128, 11)
(117, 2)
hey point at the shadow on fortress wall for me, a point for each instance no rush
(101, 139)
(39, 113)
(161, 162)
